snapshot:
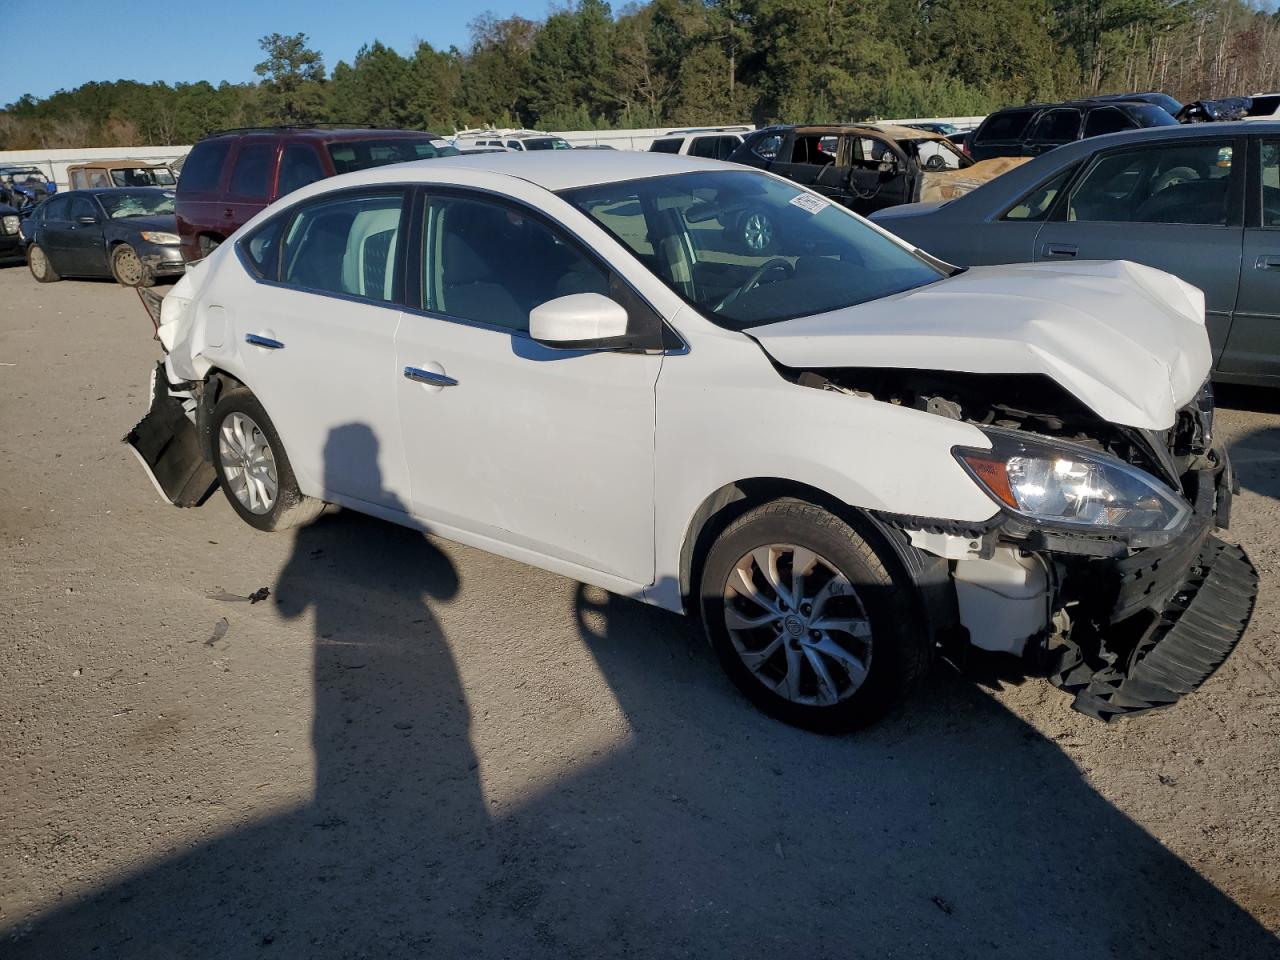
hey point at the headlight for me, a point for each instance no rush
(1072, 485)
(11, 224)
(152, 236)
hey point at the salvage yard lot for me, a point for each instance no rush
(416, 749)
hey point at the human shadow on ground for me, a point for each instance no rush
(952, 829)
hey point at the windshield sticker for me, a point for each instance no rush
(809, 203)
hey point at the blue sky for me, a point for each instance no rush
(218, 39)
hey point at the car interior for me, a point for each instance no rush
(1185, 184)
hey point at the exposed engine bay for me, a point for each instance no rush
(1125, 622)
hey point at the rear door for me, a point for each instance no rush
(252, 174)
(1052, 129)
(55, 227)
(1254, 345)
(1173, 204)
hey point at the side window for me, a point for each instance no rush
(726, 146)
(867, 153)
(1157, 184)
(299, 165)
(1056, 126)
(1004, 126)
(57, 208)
(1271, 183)
(513, 144)
(704, 147)
(767, 147)
(808, 149)
(492, 263)
(1037, 204)
(1106, 120)
(263, 247)
(666, 146)
(203, 169)
(252, 174)
(344, 245)
(83, 207)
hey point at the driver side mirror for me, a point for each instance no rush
(580, 321)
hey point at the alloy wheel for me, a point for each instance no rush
(798, 624)
(757, 232)
(248, 463)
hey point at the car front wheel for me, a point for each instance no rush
(808, 620)
(40, 265)
(128, 269)
(252, 467)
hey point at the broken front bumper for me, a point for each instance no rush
(1148, 628)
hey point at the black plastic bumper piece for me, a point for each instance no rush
(1192, 635)
(168, 446)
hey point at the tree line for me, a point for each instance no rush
(701, 62)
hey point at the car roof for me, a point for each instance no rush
(553, 170)
(321, 133)
(116, 164)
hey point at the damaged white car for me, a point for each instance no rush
(845, 457)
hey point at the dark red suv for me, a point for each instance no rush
(231, 175)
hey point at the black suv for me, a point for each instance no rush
(1034, 129)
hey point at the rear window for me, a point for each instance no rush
(203, 169)
(1057, 126)
(666, 146)
(1005, 126)
(348, 155)
(1149, 115)
(252, 175)
(1264, 106)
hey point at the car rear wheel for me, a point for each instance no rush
(40, 265)
(808, 620)
(128, 269)
(252, 467)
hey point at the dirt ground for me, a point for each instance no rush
(415, 749)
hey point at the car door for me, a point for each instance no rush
(1052, 129)
(252, 174)
(82, 242)
(813, 161)
(877, 173)
(1173, 204)
(1253, 348)
(55, 225)
(317, 341)
(549, 452)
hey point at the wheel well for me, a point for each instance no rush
(931, 575)
(216, 383)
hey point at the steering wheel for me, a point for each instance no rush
(753, 281)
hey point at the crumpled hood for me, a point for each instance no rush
(1127, 340)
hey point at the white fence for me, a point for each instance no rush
(54, 163)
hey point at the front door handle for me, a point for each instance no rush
(1268, 261)
(431, 378)
(228, 214)
(260, 341)
(1060, 249)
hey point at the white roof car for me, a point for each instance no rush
(1264, 106)
(844, 456)
(715, 143)
(517, 140)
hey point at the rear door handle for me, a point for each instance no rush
(1060, 249)
(228, 214)
(1268, 261)
(260, 341)
(431, 378)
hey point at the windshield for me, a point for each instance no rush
(547, 143)
(136, 203)
(32, 176)
(141, 177)
(747, 249)
(348, 155)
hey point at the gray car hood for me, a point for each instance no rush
(1127, 340)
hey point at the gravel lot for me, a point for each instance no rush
(415, 749)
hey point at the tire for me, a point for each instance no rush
(270, 500)
(866, 632)
(1173, 176)
(128, 269)
(207, 244)
(40, 265)
(757, 233)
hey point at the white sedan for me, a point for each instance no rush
(846, 457)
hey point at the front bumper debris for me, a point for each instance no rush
(168, 445)
(1191, 635)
